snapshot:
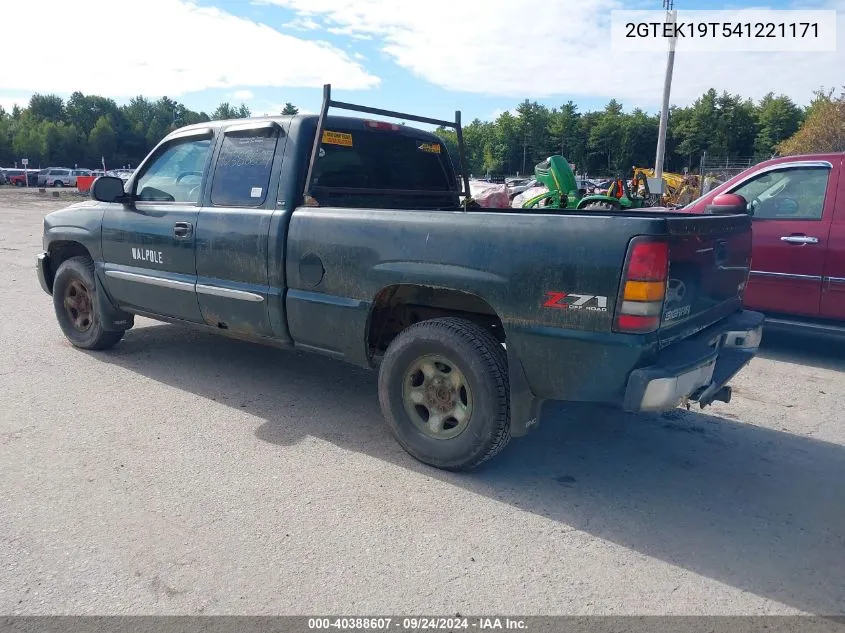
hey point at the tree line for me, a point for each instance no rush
(86, 128)
(610, 141)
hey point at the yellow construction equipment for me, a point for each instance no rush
(678, 189)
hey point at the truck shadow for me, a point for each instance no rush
(754, 508)
(816, 350)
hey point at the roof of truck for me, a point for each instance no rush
(345, 121)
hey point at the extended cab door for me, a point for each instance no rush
(833, 288)
(792, 206)
(233, 244)
(148, 250)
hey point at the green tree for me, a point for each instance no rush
(823, 130)
(46, 107)
(290, 109)
(606, 136)
(778, 118)
(102, 141)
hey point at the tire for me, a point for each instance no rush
(58, 183)
(477, 361)
(75, 301)
(600, 206)
(18, 183)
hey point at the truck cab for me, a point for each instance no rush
(797, 205)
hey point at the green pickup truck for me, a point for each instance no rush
(355, 238)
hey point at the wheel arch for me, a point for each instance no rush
(398, 306)
(60, 251)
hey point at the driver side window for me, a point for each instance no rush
(790, 194)
(175, 174)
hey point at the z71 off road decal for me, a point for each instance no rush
(574, 301)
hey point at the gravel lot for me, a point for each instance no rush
(183, 473)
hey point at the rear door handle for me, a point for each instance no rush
(799, 239)
(183, 229)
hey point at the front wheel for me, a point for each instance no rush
(443, 388)
(76, 302)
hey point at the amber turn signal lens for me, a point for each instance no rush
(644, 290)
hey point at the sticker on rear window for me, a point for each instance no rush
(431, 148)
(337, 138)
(255, 192)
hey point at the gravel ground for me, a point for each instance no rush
(182, 473)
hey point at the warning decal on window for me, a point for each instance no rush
(337, 138)
(431, 148)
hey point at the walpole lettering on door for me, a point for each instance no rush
(147, 255)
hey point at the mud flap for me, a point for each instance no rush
(525, 406)
(112, 318)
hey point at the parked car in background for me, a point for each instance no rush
(797, 207)
(123, 174)
(4, 180)
(56, 177)
(19, 177)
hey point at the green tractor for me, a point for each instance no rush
(563, 191)
(620, 196)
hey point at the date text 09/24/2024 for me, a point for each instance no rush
(415, 624)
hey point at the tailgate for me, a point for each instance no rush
(709, 262)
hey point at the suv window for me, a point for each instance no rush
(54, 172)
(790, 194)
(242, 173)
(175, 173)
(371, 159)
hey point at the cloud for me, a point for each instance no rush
(194, 48)
(560, 49)
(243, 95)
(499, 112)
(303, 24)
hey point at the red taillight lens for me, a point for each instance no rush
(649, 262)
(382, 125)
(643, 287)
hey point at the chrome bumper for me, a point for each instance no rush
(42, 268)
(697, 370)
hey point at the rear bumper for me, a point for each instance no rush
(697, 369)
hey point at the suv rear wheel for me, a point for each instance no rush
(443, 388)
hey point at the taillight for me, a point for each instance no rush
(382, 125)
(644, 286)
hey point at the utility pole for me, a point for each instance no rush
(671, 17)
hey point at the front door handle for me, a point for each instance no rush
(183, 229)
(799, 239)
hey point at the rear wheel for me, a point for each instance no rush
(76, 303)
(58, 183)
(443, 388)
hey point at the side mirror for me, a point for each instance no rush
(108, 189)
(727, 203)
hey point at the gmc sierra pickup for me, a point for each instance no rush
(355, 238)
(797, 208)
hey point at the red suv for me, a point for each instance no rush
(798, 258)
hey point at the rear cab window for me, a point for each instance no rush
(391, 168)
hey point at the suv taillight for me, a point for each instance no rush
(643, 286)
